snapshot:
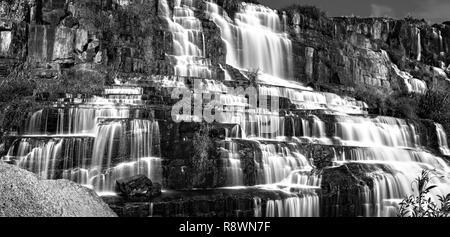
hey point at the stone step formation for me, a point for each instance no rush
(279, 147)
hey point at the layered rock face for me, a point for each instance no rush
(112, 80)
(350, 52)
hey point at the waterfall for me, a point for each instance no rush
(109, 144)
(416, 85)
(302, 206)
(413, 85)
(279, 161)
(442, 140)
(38, 156)
(419, 45)
(188, 39)
(255, 39)
(233, 168)
(379, 131)
(441, 42)
(5, 41)
(35, 123)
(93, 143)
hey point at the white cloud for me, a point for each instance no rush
(381, 11)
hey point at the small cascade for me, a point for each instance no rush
(114, 142)
(255, 39)
(442, 140)
(379, 131)
(234, 174)
(302, 178)
(35, 123)
(413, 85)
(124, 94)
(44, 156)
(188, 39)
(38, 156)
(419, 45)
(416, 85)
(279, 161)
(387, 191)
(301, 206)
(257, 207)
(393, 155)
(313, 100)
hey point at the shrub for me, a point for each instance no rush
(435, 105)
(422, 205)
(202, 162)
(16, 97)
(17, 84)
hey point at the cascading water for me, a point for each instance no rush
(301, 206)
(93, 143)
(413, 85)
(379, 131)
(419, 45)
(442, 140)
(392, 157)
(37, 156)
(188, 39)
(255, 39)
(107, 138)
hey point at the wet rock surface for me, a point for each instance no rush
(198, 203)
(22, 194)
(138, 187)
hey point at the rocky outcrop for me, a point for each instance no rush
(343, 189)
(137, 187)
(24, 195)
(346, 52)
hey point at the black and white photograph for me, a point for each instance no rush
(247, 111)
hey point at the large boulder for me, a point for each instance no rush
(137, 188)
(22, 194)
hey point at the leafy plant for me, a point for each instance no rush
(422, 205)
(202, 162)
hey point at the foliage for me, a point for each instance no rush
(422, 205)
(433, 105)
(16, 97)
(201, 162)
(17, 84)
(306, 10)
(252, 76)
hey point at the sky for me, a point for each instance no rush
(435, 11)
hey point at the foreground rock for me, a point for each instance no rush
(22, 194)
(138, 188)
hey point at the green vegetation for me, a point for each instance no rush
(202, 162)
(433, 105)
(16, 98)
(422, 205)
(306, 10)
(21, 93)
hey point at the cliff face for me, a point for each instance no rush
(130, 38)
(355, 51)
